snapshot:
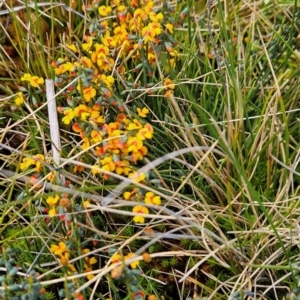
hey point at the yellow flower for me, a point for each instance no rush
(95, 137)
(96, 169)
(89, 93)
(116, 258)
(64, 260)
(168, 83)
(139, 209)
(59, 249)
(155, 28)
(72, 47)
(134, 144)
(148, 34)
(36, 81)
(108, 40)
(38, 167)
(145, 133)
(121, 8)
(104, 10)
(123, 167)
(108, 164)
(64, 68)
(20, 99)
(26, 77)
(92, 260)
(69, 115)
(142, 112)
(86, 62)
(139, 155)
(101, 50)
(135, 125)
(133, 264)
(150, 198)
(81, 111)
(39, 157)
(88, 45)
(86, 204)
(86, 143)
(27, 161)
(127, 195)
(169, 27)
(38, 164)
(52, 212)
(137, 177)
(52, 200)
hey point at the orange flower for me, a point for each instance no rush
(65, 202)
(76, 127)
(168, 93)
(147, 257)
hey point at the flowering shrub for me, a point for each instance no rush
(99, 81)
(118, 38)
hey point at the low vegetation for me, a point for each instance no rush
(149, 150)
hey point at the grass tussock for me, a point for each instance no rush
(149, 150)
